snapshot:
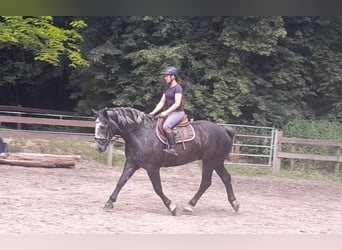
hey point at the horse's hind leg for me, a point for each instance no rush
(226, 179)
(127, 172)
(207, 173)
(154, 175)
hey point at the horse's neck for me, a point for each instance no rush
(131, 123)
(135, 133)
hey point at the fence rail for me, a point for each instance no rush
(46, 135)
(46, 121)
(34, 110)
(22, 115)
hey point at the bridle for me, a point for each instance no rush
(104, 141)
(110, 136)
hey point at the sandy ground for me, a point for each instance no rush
(68, 201)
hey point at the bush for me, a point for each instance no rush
(305, 129)
(324, 130)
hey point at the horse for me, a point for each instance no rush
(143, 149)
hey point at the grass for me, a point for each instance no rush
(249, 170)
(285, 173)
(311, 175)
(87, 152)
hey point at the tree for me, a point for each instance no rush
(246, 70)
(212, 53)
(302, 78)
(39, 36)
(34, 54)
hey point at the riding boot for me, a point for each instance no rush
(171, 150)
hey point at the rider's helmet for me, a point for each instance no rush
(170, 71)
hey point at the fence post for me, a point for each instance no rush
(19, 124)
(235, 157)
(110, 154)
(337, 164)
(292, 161)
(277, 148)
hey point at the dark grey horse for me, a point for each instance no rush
(143, 149)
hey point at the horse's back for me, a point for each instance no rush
(212, 129)
(214, 135)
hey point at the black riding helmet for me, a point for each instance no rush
(170, 71)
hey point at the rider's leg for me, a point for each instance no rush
(171, 121)
(171, 139)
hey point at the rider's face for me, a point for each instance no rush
(168, 78)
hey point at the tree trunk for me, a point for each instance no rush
(39, 160)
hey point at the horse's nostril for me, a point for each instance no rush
(100, 149)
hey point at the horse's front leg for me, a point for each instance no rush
(128, 171)
(154, 176)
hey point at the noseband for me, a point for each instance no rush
(104, 141)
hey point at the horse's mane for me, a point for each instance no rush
(129, 116)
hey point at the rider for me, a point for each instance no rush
(172, 98)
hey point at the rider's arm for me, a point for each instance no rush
(159, 106)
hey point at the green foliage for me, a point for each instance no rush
(324, 130)
(31, 48)
(39, 36)
(126, 66)
(257, 35)
(251, 70)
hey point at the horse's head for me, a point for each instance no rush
(116, 121)
(104, 130)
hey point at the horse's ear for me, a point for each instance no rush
(94, 111)
(105, 114)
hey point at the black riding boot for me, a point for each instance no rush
(171, 150)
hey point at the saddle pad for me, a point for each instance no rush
(185, 134)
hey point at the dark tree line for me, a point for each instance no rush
(248, 70)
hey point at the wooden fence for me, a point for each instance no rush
(279, 153)
(65, 119)
(30, 134)
(34, 110)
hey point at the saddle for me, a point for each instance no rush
(183, 131)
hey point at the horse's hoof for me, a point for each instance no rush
(235, 206)
(173, 209)
(108, 206)
(187, 209)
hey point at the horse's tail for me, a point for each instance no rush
(230, 131)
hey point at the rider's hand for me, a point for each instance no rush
(164, 114)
